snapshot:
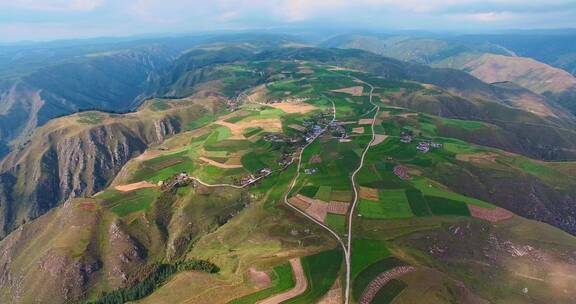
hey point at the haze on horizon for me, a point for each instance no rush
(63, 19)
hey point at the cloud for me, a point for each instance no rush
(150, 16)
(52, 5)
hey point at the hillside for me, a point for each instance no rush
(78, 155)
(482, 56)
(293, 177)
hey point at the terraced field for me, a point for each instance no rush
(311, 182)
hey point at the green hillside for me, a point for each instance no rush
(307, 164)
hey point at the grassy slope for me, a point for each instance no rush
(250, 228)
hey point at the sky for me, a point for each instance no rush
(43, 20)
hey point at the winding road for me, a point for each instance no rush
(348, 246)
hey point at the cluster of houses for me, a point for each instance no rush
(281, 138)
(286, 160)
(310, 171)
(406, 137)
(234, 103)
(252, 178)
(426, 146)
(423, 146)
(179, 180)
(337, 130)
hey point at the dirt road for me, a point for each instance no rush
(299, 288)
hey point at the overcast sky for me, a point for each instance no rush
(57, 19)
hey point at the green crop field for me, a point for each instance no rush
(369, 273)
(444, 206)
(336, 222)
(125, 203)
(366, 252)
(387, 293)
(431, 188)
(392, 204)
(324, 193)
(321, 272)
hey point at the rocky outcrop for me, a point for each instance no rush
(64, 163)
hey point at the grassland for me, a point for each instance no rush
(282, 280)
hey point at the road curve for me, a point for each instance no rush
(355, 201)
(299, 288)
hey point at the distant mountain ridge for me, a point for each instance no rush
(484, 57)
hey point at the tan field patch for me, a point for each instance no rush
(408, 115)
(384, 115)
(237, 129)
(305, 70)
(315, 159)
(354, 91)
(134, 186)
(299, 288)
(219, 165)
(260, 278)
(343, 123)
(359, 130)
(317, 209)
(492, 215)
(195, 287)
(481, 157)
(297, 127)
(369, 193)
(365, 121)
(258, 94)
(293, 107)
(333, 296)
(234, 160)
(378, 139)
(299, 203)
(338, 207)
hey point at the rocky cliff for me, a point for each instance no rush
(78, 155)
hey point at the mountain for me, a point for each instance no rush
(79, 155)
(39, 82)
(267, 168)
(483, 57)
(223, 189)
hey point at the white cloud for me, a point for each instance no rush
(52, 5)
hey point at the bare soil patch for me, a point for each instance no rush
(260, 278)
(369, 193)
(134, 186)
(298, 203)
(343, 123)
(359, 130)
(378, 138)
(481, 157)
(219, 165)
(317, 209)
(354, 91)
(338, 207)
(492, 215)
(299, 288)
(293, 107)
(333, 296)
(88, 206)
(408, 115)
(365, 121)
(237, 129)
(315, 159)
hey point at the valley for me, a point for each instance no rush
(267, 174)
